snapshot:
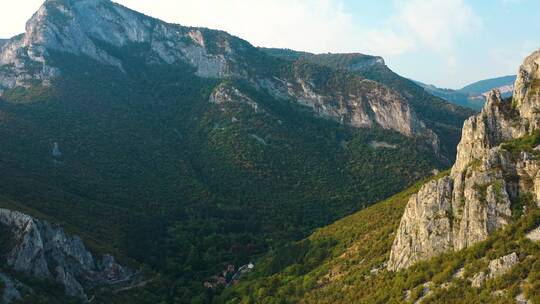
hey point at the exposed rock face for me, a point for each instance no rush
(534, 235)
(469, 205)
(224, 94)
(527, 88)
(496, 268)
(91, 28)
(357, 102)
(46, 252)
(502, 265)
(368, 62)
(424, 226)
(81, 27)
(368, 105)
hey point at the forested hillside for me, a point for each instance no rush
(469, 235)
(186, 150)
(346, 263)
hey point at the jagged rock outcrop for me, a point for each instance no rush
(496, 268)
(424, 226)
(470, 204)
(224, 94)
(44, 251)
(527, 89)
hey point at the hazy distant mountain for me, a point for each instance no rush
(505, 84)
(453, 96)
(473, 95)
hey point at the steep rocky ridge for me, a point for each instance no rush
(496, 164)
(43, 251)
(438, 115)
(92, 27)
(349, 99)
(81, 27)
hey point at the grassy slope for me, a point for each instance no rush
(334, 264)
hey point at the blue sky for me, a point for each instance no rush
(449, 43)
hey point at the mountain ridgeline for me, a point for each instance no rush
(185, 150)
(468, 235)
(439, 115)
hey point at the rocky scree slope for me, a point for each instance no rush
(497, 162)
(42, 251)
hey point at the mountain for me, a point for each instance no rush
(442, 117)
(188, 151)
(474, 95)
(468, 235)
(504, 84)
(456, 97)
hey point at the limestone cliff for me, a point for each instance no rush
(475, 200)
(44, 251)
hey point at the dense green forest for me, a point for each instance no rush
(154, 173)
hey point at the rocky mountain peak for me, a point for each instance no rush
(73, 26)
(527, 89)
(91, 28)
(466, 207)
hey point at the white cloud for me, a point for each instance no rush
(386, 43)
(13, 16)
(506, 59)
(435, 24)
(314, 25)
(311, 25)
(325, 25)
